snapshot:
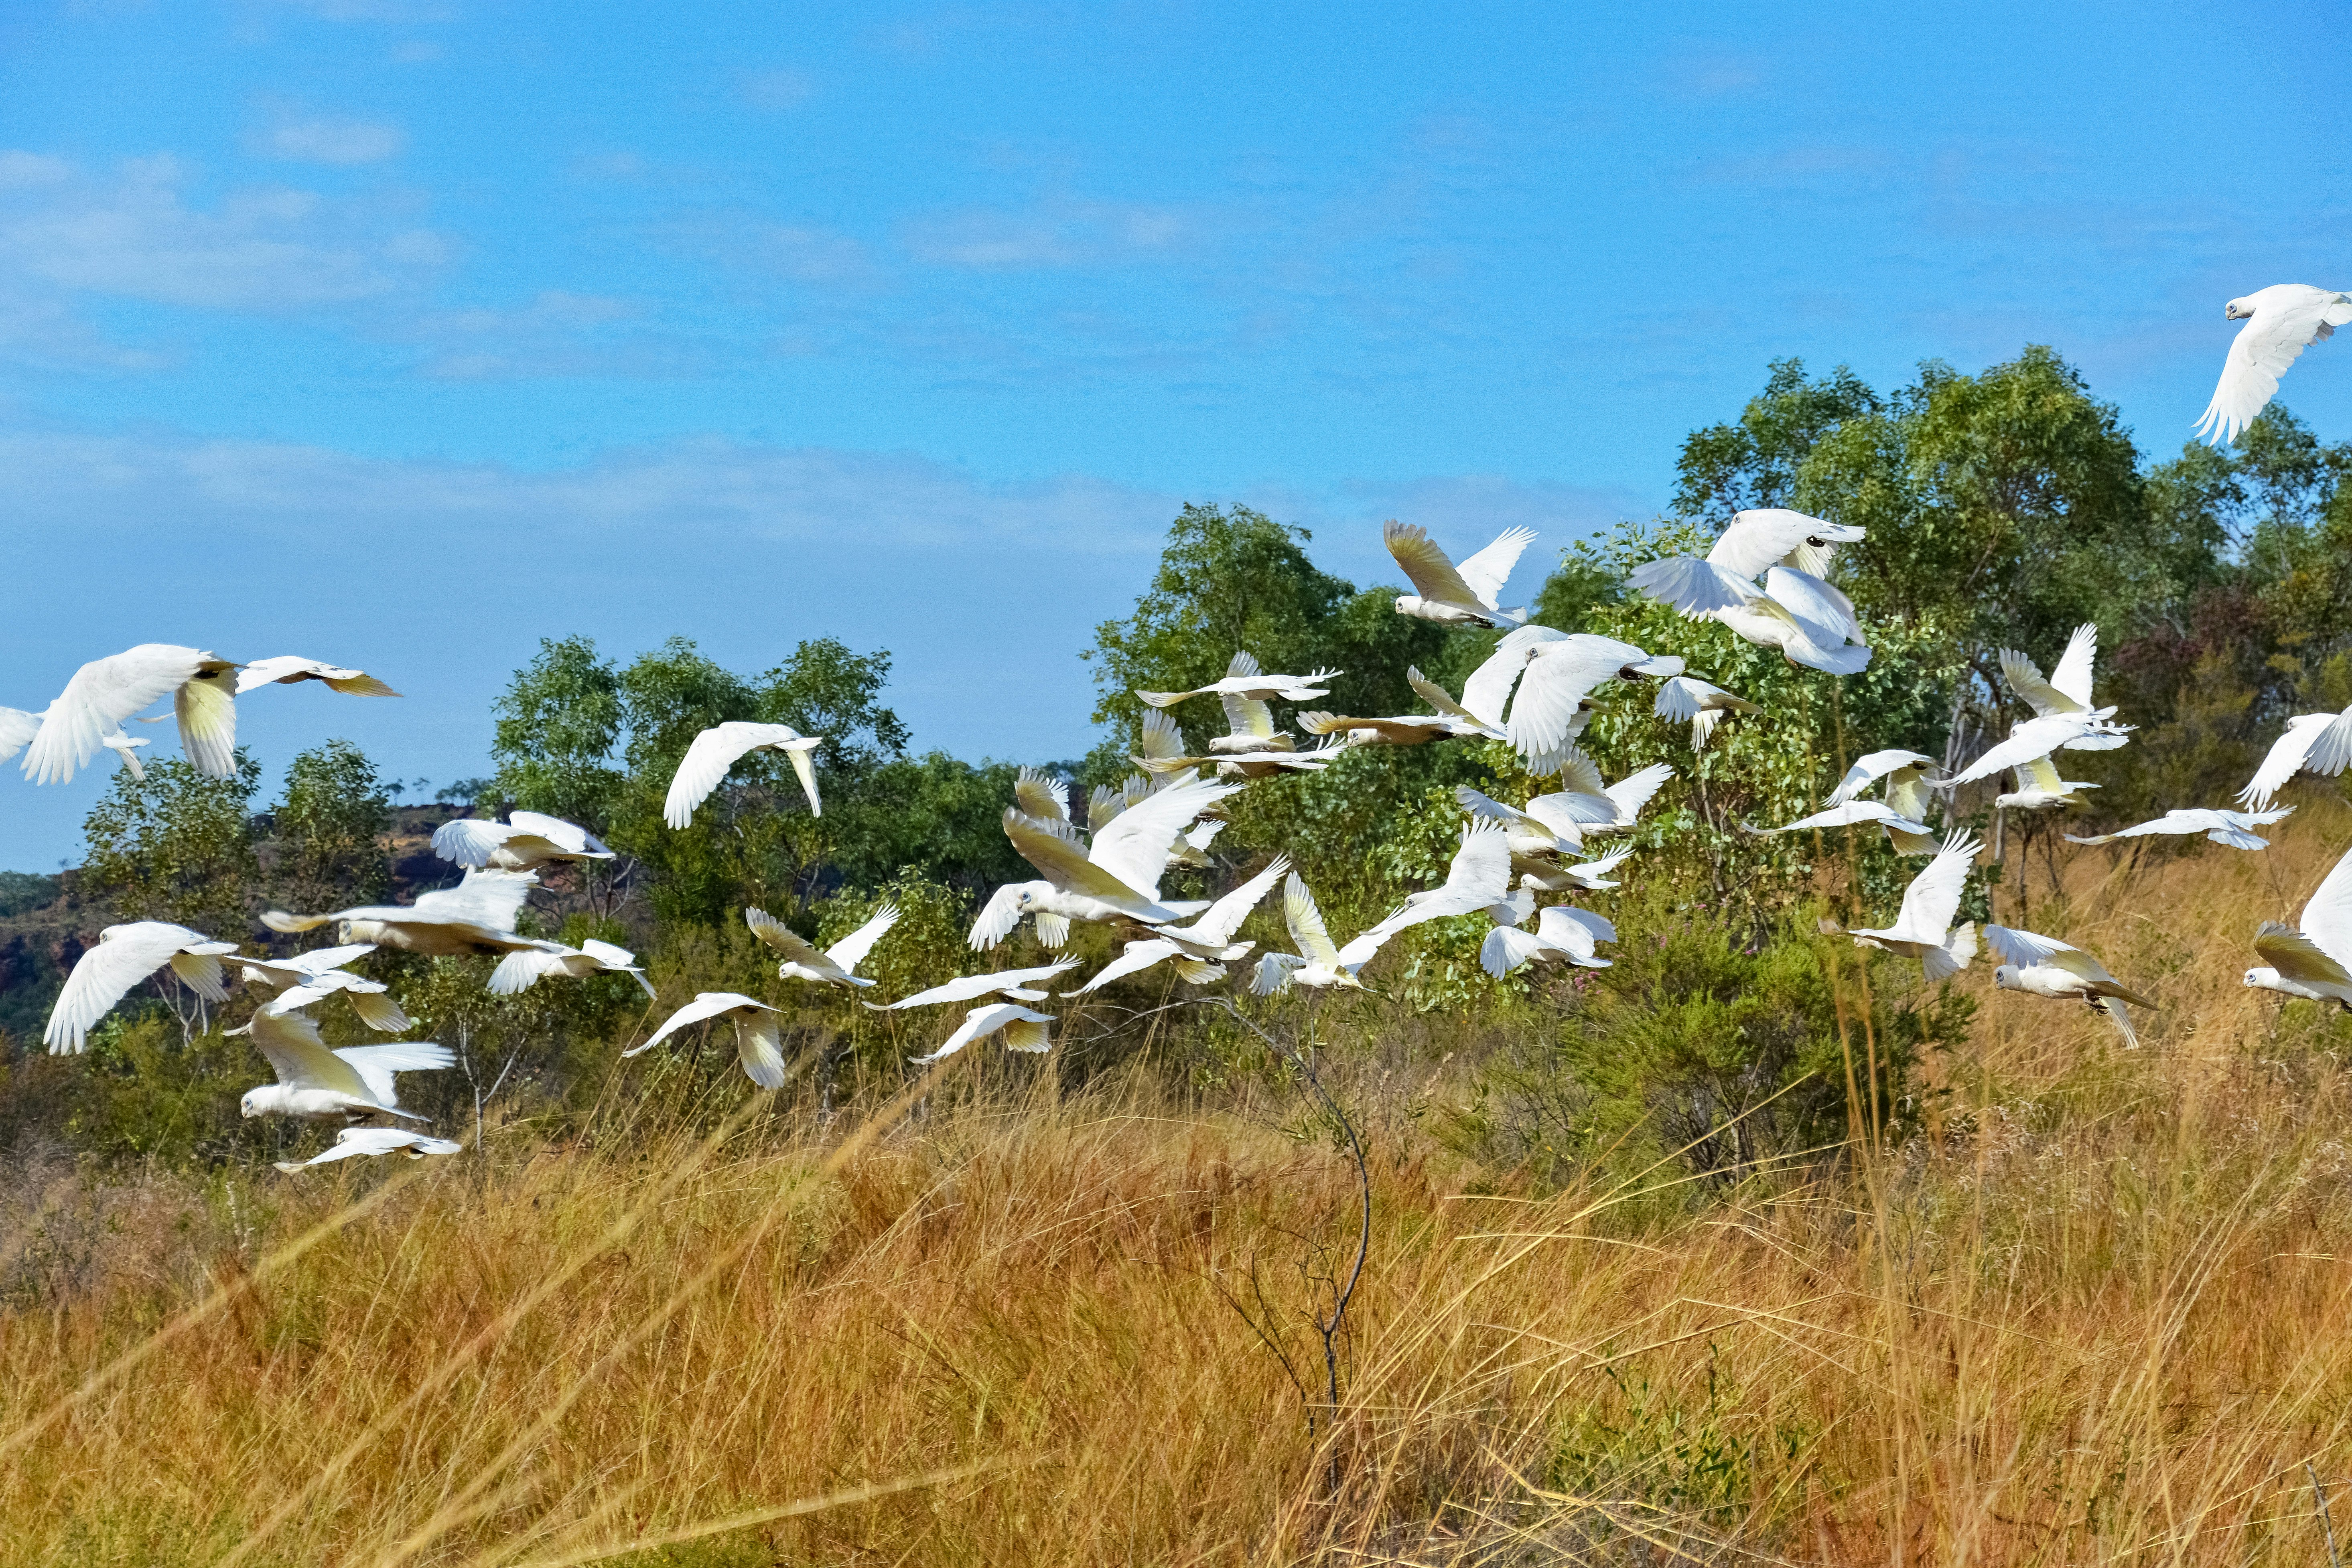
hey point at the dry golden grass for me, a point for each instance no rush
(2097, 1315)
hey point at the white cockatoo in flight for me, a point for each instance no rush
(1319, 963)
(1243, 679)
(1463, 596)
(2282, 321)
(1702, 703)
(315, 976)
(477, 916)
(125, 955)
(1023, 1030)
(1923, 928)
(534, 959)
(720, 748)
(2068, 688)
(1548, 677)
(1479, 878)
(525, 841)
(1202, 949)
(1114, 877)
(316, 1084)
(288, 669)
(759, 1038)
(2234, 828)
(1796, 611)
(834, 965)
(1018, 985)
(2039, 787)
(2045, 967)
(357, 1140)
(105, 692)
(1563, 931)
(2038, 738)
(1451, 721)
(2313, 958)
(2315, 743)
(1903, 814)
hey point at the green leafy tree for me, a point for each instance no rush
(330, 850)
(179, 846)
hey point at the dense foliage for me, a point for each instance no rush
(2003, 508)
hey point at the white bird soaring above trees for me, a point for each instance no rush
(2282, 321)
(1568, 875)
(2313, 958)
(1923, 928)
(1018, 985)
(1796, 610)
(1451, 721)
(1023, 1030)
(476, 916)
(1246, 680)
(2045, 966)
(315, 1084)
(106, 691)
(2234, 828)
(2039, 787)
(125, 955)
(2315, 743)
(720, 748)
(836, 965)
(288, 669)
(1546, 677)
(1463, 596)
(2068, 690)
(524, 842)
(759, 1038)
(2038, 738)
(1203, 949)
(357, 1140)
(1115, 878)
(534, 960)
(1701, 704)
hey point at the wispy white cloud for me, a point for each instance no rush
(322, 139)
(131, 232)
(708, 486)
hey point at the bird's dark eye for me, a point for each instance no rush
(1817, 543)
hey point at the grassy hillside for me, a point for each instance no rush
(2095, 1312)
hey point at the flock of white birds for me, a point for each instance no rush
(1766, 578)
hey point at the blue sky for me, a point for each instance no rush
(404, 333)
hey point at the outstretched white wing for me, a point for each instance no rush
(2285, 759)
(103, 975)
(1041, 795)
(101, 696)
(1488, 570)
(2025, 948)
(964, 988)
(2287, 317)
(1869, 769)
(1693, 586)
(1934, 896)
(1224, 917)
(569, 836)
(1307, 933)
(469, 840)
(982, 1022)
(1632, 792)
(264, 672)
(376, 1064)
(290, 1043)
(1765, 536)
(1432, 572)
(487, 898)
(16, 727)
(1134, 848)
(795, 947)
(2327, 918)
(851, 950)
(997, 918)
(717, 749)
(1485, 694)
(1134, 959)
